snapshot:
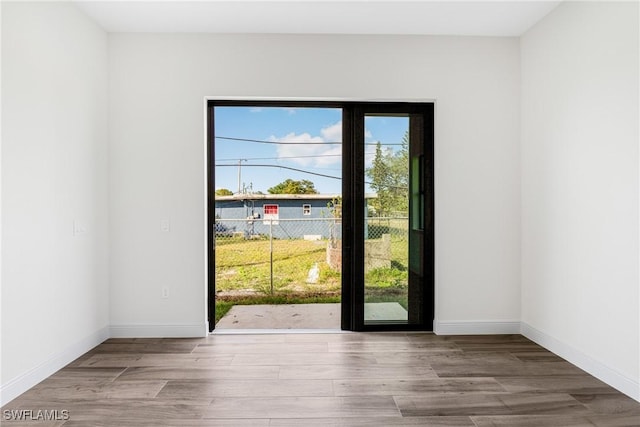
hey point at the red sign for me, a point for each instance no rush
(270, 214)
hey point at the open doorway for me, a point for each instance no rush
(321, 205)
(277, 215)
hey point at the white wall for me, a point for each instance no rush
(54, 171)
(580, 188)
(157, 86)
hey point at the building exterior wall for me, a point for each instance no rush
(246, 218)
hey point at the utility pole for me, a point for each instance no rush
(240, 174)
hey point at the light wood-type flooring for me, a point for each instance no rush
(326, 379)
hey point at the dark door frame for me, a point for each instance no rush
(352, 297)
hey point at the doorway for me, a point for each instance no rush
(376, 241)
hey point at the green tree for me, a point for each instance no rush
(389, 178)
(290, 186)
(224, 192)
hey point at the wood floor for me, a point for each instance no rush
(341, 379)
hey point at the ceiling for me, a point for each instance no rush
(468, 18)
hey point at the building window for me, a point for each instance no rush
(306, 209)
(270, 209)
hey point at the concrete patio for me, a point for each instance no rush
(302, 316)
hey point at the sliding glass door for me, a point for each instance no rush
(385, 216)
(392, 218)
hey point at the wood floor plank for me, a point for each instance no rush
(537, 356)
(444, 358)
(348, 337)
(449, 404)
(228, 372)
(288, 359)
(144, 347)
(372, 422)
(246, 388)
(414, 387)
(95, 410)
(532, 421)
(609, 403)
(90, 390)
(375, 347)
(583, 384)
(88, 373)
(131, 422)
(224, 339)
(610, 420)
(302, 407)
(261, 348)
(334, 372)
(34, 423)
(110, 360)
(431, 404)
(516, 369)
(542, 403)
(106, 360)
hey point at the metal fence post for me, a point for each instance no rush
(271, 253)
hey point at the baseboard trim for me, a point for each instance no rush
(159, 331)
(615, 379)
(18, 385)
(478, 327)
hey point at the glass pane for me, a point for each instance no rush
(386, 246)
(278, 225)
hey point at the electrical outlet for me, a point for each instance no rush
(165, 292)
(78, 228)
(165, 225)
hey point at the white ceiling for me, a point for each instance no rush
(472, 18)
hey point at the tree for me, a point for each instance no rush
(290, 186)
(223, 192)
(389, 178)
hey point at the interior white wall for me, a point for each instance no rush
(54, 171)
(157, 86)
(580, 187)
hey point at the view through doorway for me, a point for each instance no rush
(320, 215)
(278, 229)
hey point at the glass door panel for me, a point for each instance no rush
(386, 219)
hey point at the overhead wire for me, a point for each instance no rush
(307, 172)
(261, 141)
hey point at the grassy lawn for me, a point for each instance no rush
(243, 274)
(244, 265)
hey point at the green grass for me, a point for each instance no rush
(386, 278)
(245, 265)
(243, 274)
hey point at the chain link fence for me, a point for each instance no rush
(283, 255)
(258, 256)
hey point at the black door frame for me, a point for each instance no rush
(352, 297)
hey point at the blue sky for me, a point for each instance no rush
(300, 138)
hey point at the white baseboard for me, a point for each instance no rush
(615, 379)
(18, 385)
(159, 331)
(479, 327)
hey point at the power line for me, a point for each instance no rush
(310, 173)
(228, 138)
(260, 141)
(289, 168)
(283, 157)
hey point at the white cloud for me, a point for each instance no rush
(255, 110)
(290, 110)
(369, 155)
(332, 133)
(322, 151)
(314, 151)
